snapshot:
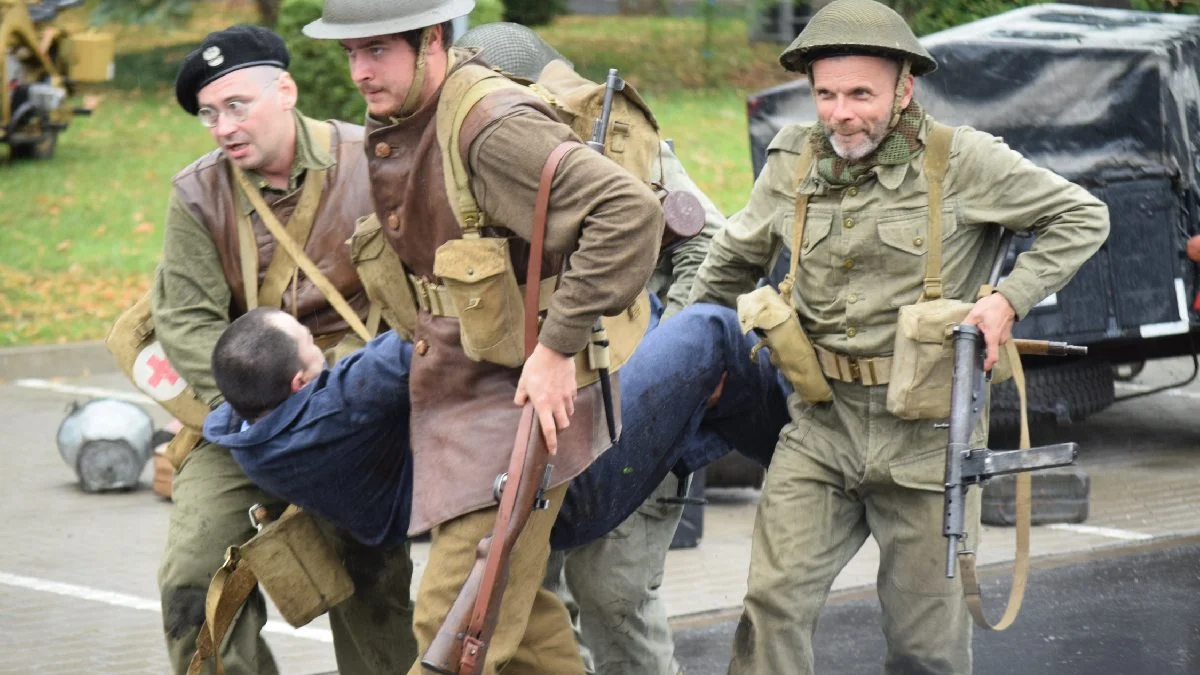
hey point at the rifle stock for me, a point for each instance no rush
(461, 643)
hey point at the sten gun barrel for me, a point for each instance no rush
(965, 465)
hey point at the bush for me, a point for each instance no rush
(487, 11)
(533, 12)
(319, 67)
(935, 16)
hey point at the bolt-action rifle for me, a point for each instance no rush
(461, 643)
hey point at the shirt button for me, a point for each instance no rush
(849, 263)
(917, 241)
(421, 347)
(853, 192)
(853, 298)
(851, 332)
(383, 149)
(848, 223)
(393, 221)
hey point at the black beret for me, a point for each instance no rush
(223, 52)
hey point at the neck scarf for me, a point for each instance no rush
(898, 147)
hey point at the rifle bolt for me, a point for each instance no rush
(941, 425)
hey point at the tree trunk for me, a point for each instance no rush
(268, 11)
(642, 7)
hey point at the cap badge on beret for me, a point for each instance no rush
(213, 56)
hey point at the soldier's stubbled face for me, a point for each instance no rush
(264, 96)
(383, 68)
(854, 97)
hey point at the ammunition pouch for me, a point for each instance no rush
(778, 328)
(383, 276)
(478, 275)
(923, 359)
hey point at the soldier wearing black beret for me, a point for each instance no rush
(309, 177)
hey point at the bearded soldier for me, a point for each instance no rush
(466, 387)
(854, 199)
(215, 246)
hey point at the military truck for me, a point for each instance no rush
(1110, 99)
(45, 61)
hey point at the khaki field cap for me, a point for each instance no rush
(845, 27)
(353, 19)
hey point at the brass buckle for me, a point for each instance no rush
(855, 370)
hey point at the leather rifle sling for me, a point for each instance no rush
(479, 633)
(966, 559)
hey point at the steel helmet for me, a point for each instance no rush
(845, 27)
(511, 47)
(353, 19)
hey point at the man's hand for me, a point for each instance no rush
(548, 381)
(1193, 248)
(716, 395)
(994, 315)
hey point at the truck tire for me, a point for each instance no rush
(1059, 393)
(735, 470)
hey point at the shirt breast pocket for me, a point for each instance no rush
(905, 238)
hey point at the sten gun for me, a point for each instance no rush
(967, 466)
(461, 643)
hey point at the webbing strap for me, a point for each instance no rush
(297, 254)
(462, 91)
(937, 160)
(785, 286)
(966, 559)
(299, 226)
(229, 589)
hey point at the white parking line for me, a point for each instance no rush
(143, 604)
(94, 392)
(1182, 393)
(1110, 532)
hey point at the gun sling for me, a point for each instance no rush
(966, 559)
(485, 613)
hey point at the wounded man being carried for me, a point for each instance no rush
(336, 441)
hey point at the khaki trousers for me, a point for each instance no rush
(844, 470)
(533, 633)
(372, 630)
(619, 617)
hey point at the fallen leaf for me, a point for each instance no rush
(144, 228)
(101, 231)
(63, 245)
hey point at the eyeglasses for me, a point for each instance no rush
(237, 111)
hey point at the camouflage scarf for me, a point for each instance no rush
(898, 147)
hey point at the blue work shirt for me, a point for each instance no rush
(339, 446)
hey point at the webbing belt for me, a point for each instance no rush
(868, 370)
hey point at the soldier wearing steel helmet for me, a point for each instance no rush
(848, 468)
(465, 412)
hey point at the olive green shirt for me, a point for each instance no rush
(676, 271)
(190, 296)
(862, 255)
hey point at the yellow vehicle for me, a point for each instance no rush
(44, 62)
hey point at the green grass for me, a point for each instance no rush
(80, 234)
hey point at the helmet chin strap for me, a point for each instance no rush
(905, 70)
(413, 100)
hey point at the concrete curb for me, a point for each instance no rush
(46, 361)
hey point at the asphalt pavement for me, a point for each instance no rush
(1133, 611)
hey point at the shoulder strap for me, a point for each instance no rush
(463, 89)
(937, 160)
(806, 157)
(966, 559)
(296, 253)
(282, 268)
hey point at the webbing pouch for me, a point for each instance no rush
(479, 277)
(923, 359)
(298, 566)
(383, 276)
(778, 329)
